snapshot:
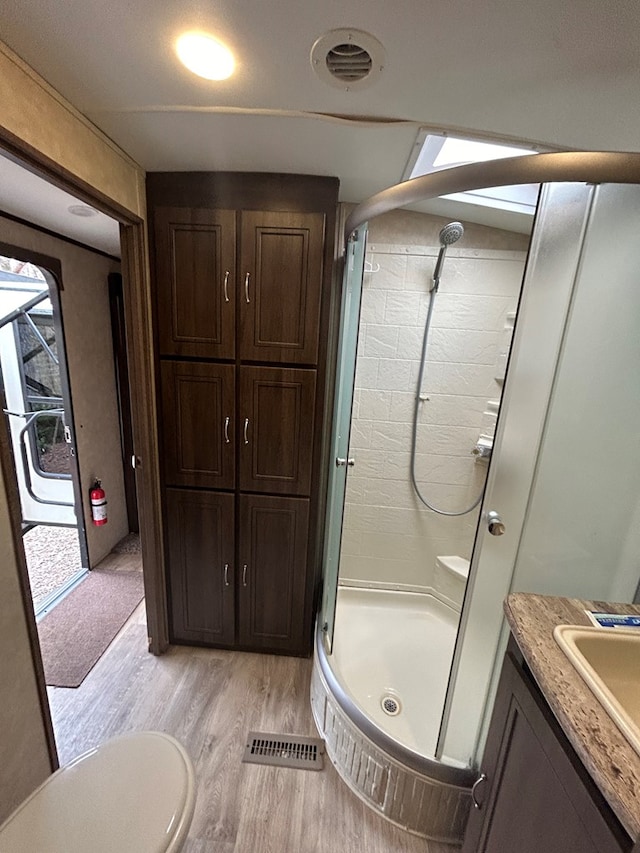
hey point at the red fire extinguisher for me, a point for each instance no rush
(98, 504)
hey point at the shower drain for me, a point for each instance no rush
(390, 705)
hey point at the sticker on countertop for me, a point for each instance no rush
(613, 620)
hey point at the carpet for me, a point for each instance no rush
(129, 545)
(77, 632)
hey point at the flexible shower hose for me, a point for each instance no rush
(416, 412)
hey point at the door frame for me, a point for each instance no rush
(52, 270)
(121, 358)
(142, 381)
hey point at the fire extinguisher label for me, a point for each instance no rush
(99, 511)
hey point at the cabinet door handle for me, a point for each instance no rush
(226, 285)
(481, 778)
(226, 431)
(244, 575)
(246, 287)
(226, 574)
(246, 429)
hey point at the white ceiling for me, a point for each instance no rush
(29, 197)
(564, 75)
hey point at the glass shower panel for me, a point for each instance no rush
(581, 536)
(345, 371)
(552, 267)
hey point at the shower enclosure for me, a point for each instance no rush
(411, 621)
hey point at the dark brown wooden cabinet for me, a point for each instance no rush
(276, 420)
(278, 290)
(272, 548)
(536, 794)
(242, 268)
(195, 253)
(281, 271)
(201, 554)
(198, 416)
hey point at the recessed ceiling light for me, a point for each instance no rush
(81, 210)
(205, 56)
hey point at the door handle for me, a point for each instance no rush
(226, 285)
(481, 778)
(246, 429)
(226, 574)
(226, 430)
(244, 574)
(246, 287)
(495, 524)
(340, 462)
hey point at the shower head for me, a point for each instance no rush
(451, 233)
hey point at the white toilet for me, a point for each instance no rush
(133, 794)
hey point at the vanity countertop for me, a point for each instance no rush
(612, 762)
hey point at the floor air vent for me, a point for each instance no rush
(303, 753)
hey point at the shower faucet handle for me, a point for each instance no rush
(495, 524)
(340, 462)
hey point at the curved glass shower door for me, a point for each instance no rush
(395, 570)
(343, 401)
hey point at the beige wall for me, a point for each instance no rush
(87, 326)
(24, 760)
(422, 229)
(389, 539)
(36, 120)
(37, 117)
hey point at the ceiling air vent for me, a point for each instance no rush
(347, 59)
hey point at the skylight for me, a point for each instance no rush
(433, 153)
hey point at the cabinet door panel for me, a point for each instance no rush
(198, 424)
(537, 795)
(273, 568)
(200, 538)
(276, 419)
(281, 281)
(195, 258)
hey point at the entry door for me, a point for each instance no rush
(37, 402)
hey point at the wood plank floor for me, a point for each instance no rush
(209, 700)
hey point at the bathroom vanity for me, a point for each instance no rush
(557, 774)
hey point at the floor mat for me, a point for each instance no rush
(76, 633)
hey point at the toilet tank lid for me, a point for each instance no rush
(456, 565)
(132, 793)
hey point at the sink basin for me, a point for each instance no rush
(608, 659)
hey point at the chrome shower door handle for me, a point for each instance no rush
(246, 430)
(246, 287)
(244, 574)
(341, 462)
(226, 430)
(495, 524)
(226, 574)
(226, 285)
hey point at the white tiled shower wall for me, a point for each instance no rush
(389, 538)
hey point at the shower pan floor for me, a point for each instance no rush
(396, 646)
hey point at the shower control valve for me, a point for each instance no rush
(340, 462)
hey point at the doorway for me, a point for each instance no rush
(39, 417)
(58, 453)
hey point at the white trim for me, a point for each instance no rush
(400, 587)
